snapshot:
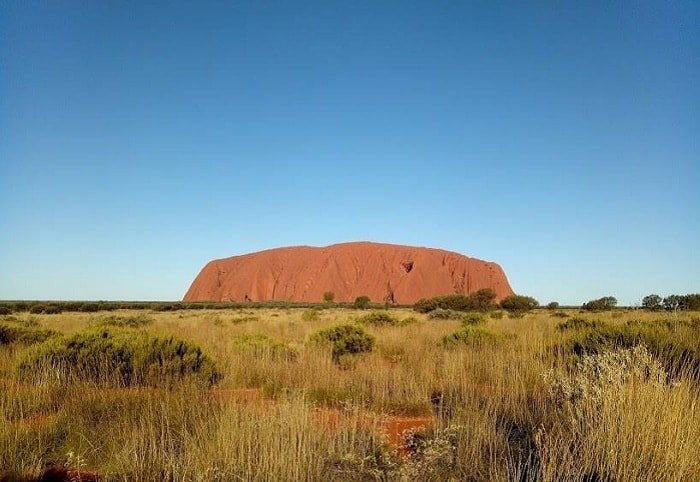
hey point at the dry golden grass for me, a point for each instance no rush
(494, 419)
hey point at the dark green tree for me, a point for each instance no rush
(652, 302)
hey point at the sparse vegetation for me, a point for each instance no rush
(543, 397)
(345, 340)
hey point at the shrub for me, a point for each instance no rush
(45, 309)
(473, 319)
(470, 336)
(110, 355)
(676, 353)
(312, 314)
(553, 305)
(89, 307)
(4, 310)
(379, 318)
(328, 297)
(361, 303)
(496, 315)
(441, 314)
(134, 321)
(262, 346)
(652, 302)
(560, 314)
(599, 378)
(519, 303)
(348, 339)
(601, 304)
(577, 323)
(482, 300)
(23, 335)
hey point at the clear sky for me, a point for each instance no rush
(138, 141)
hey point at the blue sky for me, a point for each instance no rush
(139, 141)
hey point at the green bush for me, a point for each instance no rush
(23, 335)
(361, 303)
(675, 352)
(470, 336)
(312, 314)
(552, 305)
(4, 310)
(519, 303)
(577, 323)
(262, 346)
(133, 321)
(473, 319)
(379, 318)
(348, 339)
(441, 314)
(114, 356)
(89, 307)
(45, 309)
(560, 314)
(482, 300)
(601, 304)
(496, 315)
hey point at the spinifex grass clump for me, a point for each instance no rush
(473, 319)
(577, 323)
(132, 321)
(470, 336)
(679, 354)
(23, 335)
(262, 346)
(442, 314)
(346, 340)
(121, 357)
(384, 318)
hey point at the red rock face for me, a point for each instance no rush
(384, 272)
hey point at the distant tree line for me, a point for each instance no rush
(690, 302)
(482, 300)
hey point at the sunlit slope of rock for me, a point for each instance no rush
(384, 272)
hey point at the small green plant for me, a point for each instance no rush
(312, 314)
(560, 314)
(470, 336)
(379, 318)
(133, 321)
(577, 323)
(442, 314)
(262, 346)
(496, 315)
(348, 339)
(328, 297)
(473, 319)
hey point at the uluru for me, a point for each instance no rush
(383, 272)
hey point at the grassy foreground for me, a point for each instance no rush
(501, 399)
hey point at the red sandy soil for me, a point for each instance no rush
(384, 272)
